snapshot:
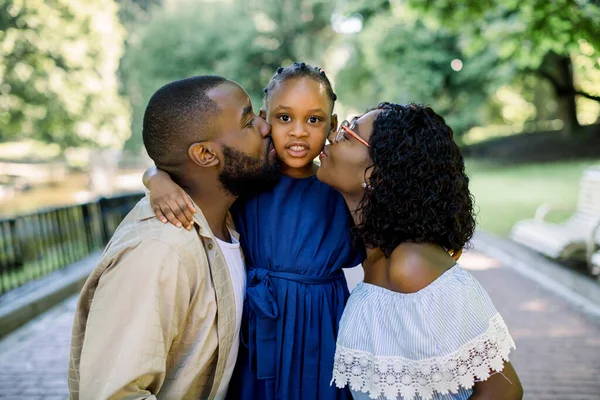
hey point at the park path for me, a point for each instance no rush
(557, 356)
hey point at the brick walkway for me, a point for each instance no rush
(34, 359)
(557, 356)
(558, 348)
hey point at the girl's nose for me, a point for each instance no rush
(299, 130)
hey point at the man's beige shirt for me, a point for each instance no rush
(156, 318)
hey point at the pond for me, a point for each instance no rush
(74, 189)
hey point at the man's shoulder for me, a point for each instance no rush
(141, 228)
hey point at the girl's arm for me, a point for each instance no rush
(168, 200)
(503, 385)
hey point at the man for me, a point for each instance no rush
(159, 317)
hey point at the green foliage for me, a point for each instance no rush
(524, 31)
(132, 11)
(185, 42)
(553, 42)
(297, 29)
(399, 58)
(58, 63)
(538, 37)
(243, 42)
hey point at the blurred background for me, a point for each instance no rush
(517, 80)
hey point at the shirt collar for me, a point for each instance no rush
(204, 230)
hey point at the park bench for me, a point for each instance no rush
(593, 252)
(595, 264)
(573, 239)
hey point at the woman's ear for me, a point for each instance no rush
(367, 177)
(204, 154)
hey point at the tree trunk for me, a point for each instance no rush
(567, 108)
(559, 72)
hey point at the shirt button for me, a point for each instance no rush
(210, 246)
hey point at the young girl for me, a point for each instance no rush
(296, 239)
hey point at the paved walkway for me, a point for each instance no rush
(557, 356)
(34, 359)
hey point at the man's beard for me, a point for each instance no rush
(244, 175)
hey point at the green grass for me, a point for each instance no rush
(506, 194)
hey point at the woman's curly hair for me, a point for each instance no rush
(418, 190)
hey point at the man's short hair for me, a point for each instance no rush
(179, 114)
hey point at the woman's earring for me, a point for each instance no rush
(366, 185)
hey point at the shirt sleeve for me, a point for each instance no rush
(137, 310)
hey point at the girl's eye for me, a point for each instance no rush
(314, 120)
(250, 123)
(284, 118)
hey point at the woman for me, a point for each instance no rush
(419, 326)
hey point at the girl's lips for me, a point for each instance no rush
(297, 149)
(297, 153)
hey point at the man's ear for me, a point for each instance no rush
(262, 113)
(204, 154)
(334, 123)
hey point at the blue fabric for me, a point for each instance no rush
(296, 238)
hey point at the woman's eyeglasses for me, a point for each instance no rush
(345, 130)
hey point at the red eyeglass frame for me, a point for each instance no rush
(353, 134)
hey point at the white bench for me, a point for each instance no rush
(593, 253)
(570, 239)
(595, 264)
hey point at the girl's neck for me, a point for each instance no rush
(299, 173)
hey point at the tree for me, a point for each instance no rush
(301, 28)
(540, 37)
(132, 11)
(399, 58)
(58, 80)
(186, 41)
(185, 38)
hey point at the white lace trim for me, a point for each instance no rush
(392, 376)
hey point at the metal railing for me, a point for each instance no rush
(34, 245)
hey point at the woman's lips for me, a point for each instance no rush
(323, 153)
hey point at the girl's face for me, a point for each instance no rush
(345, 160)
(299, 112)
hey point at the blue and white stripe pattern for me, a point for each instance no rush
(432, 344)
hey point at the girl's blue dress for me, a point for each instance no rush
(296, 238)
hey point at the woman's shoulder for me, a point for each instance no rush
(412, 268)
